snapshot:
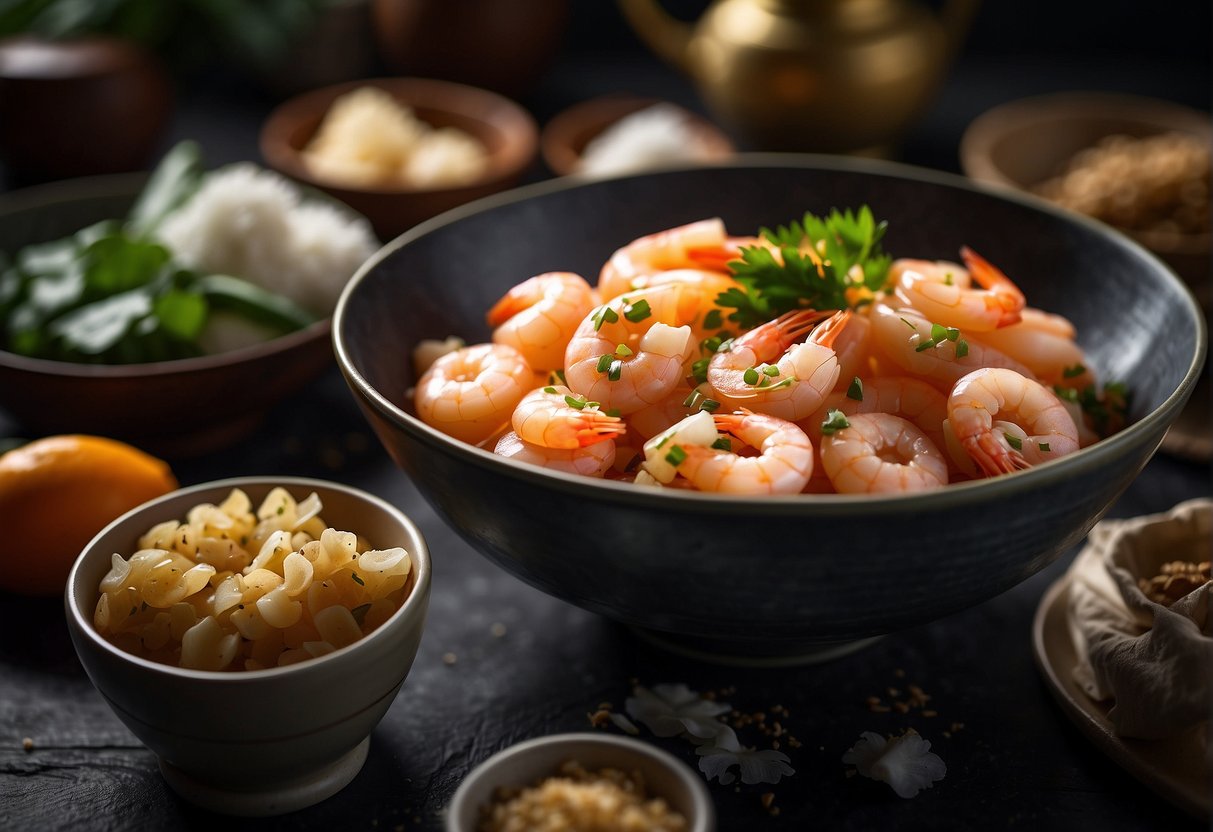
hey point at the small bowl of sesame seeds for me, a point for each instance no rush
(581, 781)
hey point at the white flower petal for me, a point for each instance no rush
(865, 752)
(905, 763)
(764, 766)
(715, 762)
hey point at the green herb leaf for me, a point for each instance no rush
(604, 362)
(675, 455)
(638, 311)
(1044, 446)
(549, 390)
(604, 314)
(577, 403)
(1073, 372)
(713, 319)
(623, 351)
(772, 284)
(1014, 441)
(699, 370)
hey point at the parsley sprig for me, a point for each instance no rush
(812, 269)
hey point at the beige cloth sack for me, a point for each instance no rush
(1155, 662)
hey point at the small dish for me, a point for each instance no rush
(507, 131)
(1175, 769)
(565, 137)
(255, 742)
(528, 762)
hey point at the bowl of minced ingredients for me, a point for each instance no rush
(400, 150)
(581, 783)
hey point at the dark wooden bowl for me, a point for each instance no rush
(774, 577)
(173, 408)
(505, 129)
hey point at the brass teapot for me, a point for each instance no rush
(830, 76)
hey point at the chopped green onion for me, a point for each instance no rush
(787, 382)
(615, 371)
(576, 403)
(953, 333)
(962, 348)
(835, 421)
(939, 332)
(723, 444)
(1044, 446)
(1073, 372)
(948, 279)
(1014, 441)
(713, 319)
(726, 345)
(676, 455)
(709, 405)
(693, 399)
(711, 343)
(604, 362)
(623, 351)
(855, 391)
(699, 370)
(771, 370)
(925, 345)
(638, 311)
(549, 389)
(604, 313)
(750, 376)
(910, 325)
(613, 411)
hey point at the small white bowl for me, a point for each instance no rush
(531, 761)
(258, 742)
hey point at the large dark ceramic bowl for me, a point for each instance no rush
(775, 576)
(175, 408)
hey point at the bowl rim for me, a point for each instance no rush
(953, 495)
(518, 128)
(703, 809)
(417, 597)
(118, 186)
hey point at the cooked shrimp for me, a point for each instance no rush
(909, 398)
(1006, 421)
(470, 393)
(663, 251)
(766, 370)
(652, 419)
(853, 346)
(588, 460)
(539, 316)
(937, 295)
(700, 288)
(554, 418)
(1045, 344)
(899, 333)
(629, 352)
(783, 465)
(882, 453)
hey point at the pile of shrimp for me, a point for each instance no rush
(945, 376)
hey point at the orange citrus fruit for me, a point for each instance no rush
(56, 494)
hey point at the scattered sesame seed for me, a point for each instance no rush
(901, 707)
(768, 798)
(27, 744)
(599, 718)
(449, 659)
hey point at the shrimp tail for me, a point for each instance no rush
(716, 258)
(510, 305)
(1005, 295)
(798, 322)
(992, 457)
(595, 426)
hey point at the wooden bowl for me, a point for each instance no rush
(1022, 143)
(565, 137)
(506, 130)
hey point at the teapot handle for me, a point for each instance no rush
(667, 36)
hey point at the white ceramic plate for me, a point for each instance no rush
(1174, 768)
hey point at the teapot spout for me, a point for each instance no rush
(668, 37)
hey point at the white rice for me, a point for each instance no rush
(252, 223)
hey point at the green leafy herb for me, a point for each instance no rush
(812, 268)
(699, 370)
(1073, 372)
(1014, 441)
(713, 319)
(549, 390)
(577, 403)
(604, 362)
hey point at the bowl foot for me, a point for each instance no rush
(274, 798)
(752, 654)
